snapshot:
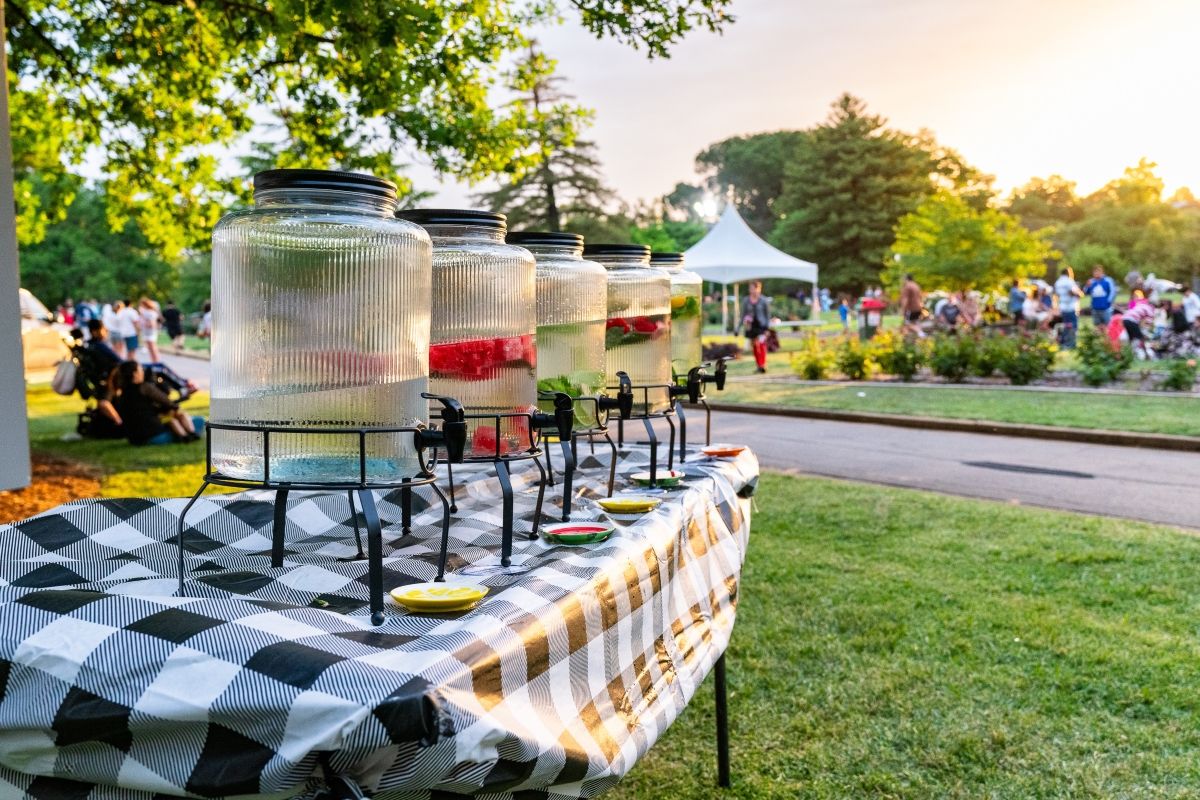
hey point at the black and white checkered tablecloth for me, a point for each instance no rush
(261, 680)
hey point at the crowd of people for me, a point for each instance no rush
(117, 360)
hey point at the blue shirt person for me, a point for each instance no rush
(1103, 293)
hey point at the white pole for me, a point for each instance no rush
(724, 308)
(816, 302)
(14, 429)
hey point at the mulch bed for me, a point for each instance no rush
(55, 481)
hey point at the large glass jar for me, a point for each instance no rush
(572, 306)
(637, 337)
(320, 319)
(687, 289)
(482, 349)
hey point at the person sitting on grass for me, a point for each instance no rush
(147, 414)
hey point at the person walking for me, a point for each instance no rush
(1103, 292)
(756, 323)
(1068, 292)
(1191, 306)
(128, 320)
(173, 321)
(108, 316)
(149, 317)
(844, 313)
(910, 305)
(1016, 302)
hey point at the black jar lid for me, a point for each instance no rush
(635, 250)
(665, 259)
(324, 179)
(454, 216)
(549, 238)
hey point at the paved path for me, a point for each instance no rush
(1153, 485)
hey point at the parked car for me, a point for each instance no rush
(43, 340)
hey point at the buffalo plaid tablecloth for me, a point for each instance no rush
(265, 681)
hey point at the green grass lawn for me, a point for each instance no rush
(171, 470)
(898, 644)
(1178, 415)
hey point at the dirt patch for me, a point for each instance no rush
(55, 481)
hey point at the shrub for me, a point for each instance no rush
(898, 355)
(951, 356)
(1181, 376)
(813, 361)
(1026, 358)
(989, 350)
(854, 359)
(1100, 361)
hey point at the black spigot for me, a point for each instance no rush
(453, 433)
(563, 417)
(623, 402)
(718, 378)
(695, 383)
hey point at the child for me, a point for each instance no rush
(844, 313)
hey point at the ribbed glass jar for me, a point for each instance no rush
(320, 319)
(637, 336)
(572, 306)
(483, 349)
(687, 311)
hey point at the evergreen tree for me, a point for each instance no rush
(751, 169)
(563, 189)
(845, 190)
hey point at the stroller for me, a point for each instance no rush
(91, 382)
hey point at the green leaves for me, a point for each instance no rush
(947, 244)
(153, 91)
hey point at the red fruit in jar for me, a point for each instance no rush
(484, 440)
(644, 325)
(617, 322)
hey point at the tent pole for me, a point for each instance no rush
(737, 306)
(816, 302)
(724, 308)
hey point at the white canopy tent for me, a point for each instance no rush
(732, 253)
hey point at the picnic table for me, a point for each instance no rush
(272, 682)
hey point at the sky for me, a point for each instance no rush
(1021, 88)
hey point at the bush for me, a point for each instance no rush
(952, 356)
(854, 359)
(813, 361)
(898, 355)
(1100, 361)
(1026, 358)
(1181, 376)
(989, 351)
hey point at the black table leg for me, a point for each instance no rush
(278, 527)
(541, 497)
(366, 499)
(445, 551)
(406, 494)
(722, 724)
(506, 530)
(179, 534)
(679, 412)
(357, 532)
(654, 450)
(568, 474)
(612, 467)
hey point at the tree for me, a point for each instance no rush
(1129, 217)
(1087, 255)
(947, 244)
(563, 184)
(846, 188)
(154, 88)
(668, 236)
(83, 257)
(1139, 186)
(1046, 201)
(750, 169)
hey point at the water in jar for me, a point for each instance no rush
(637, 335)
(320, 319)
